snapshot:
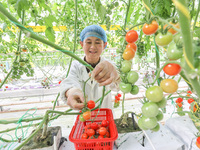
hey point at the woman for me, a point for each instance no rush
(93, 42)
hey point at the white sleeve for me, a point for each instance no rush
(72, 80)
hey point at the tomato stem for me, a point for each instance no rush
(184, 21)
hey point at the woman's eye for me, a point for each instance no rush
(89, 42)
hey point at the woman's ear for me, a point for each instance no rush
(81, 42)
(105, 45)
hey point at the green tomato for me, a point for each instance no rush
(162, 103)
(173, 53)
(21, 63)
(81, 118)
(134, 90)
(125, 87)
(178, 39)
(163, 39)
(149, 122)
(140, 124)
(157, 128)
(126, 66)
(180, 111)
(132, 77)
(150, 109)
(154, 93)
(159, 116)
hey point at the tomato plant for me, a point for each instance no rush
(90, 104)
(154, 93)
(169, 85)
(150, 109)
(151, 28)
(128, 54)
(125, 87)
(132, 46)
(131, 36)
(163, 39)
(132, 77)
(172, 69)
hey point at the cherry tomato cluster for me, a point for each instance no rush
(117, 99)
(86, 112)
(131, 37)
(86, 115)
(179, 104)
(96, 130)
(128, 76)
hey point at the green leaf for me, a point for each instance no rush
(21, 5)
(131, 9)
(49, 20)
(49, 33)
(101, 10)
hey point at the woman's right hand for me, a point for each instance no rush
(75, 98)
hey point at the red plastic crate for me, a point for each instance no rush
(94, 144)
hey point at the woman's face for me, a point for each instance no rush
(93, 47)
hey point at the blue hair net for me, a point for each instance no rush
(93, 30)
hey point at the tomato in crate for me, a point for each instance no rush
(96, 142)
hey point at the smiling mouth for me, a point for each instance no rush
(92, 52)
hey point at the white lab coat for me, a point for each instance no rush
(76, 77)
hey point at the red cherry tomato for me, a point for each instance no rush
(84, 136)
(179, 105)
(132, 45)
(179, 100)
(100, 137)
(190, 100)
(94, 126)
(131, 36)
(119, 95)
(90, 104)
(128, 54)
(90, 132)
(149, 29)
(172, 69)
(104, 123)
(102, 131)
(87, 115)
